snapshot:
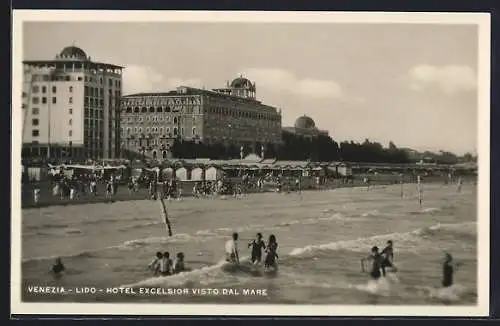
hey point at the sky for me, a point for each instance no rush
(413, 84)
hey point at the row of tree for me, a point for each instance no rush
(321, 148)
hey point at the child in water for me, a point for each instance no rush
(257, 246)
(272, 247)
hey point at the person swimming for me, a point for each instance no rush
(58, 267)
(448, 270)
(257, 246)
(388, 257)
(376, 258)
(165, 264)
(232, 250)
(272, 247)
(155, 263)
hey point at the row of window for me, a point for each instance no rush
(36, 133)
(160, 130)
(144, 109)
(156, 119)
(36, 111)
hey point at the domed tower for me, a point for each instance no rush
(72, 53)
(243, 87)
(304, 122)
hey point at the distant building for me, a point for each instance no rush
(230, 116)
(305, 127)
(71, 107)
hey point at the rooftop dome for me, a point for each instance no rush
(242, 82)
(304, 122)
(73, 52)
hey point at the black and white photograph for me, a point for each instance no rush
(222, 163)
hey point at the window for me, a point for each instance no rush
(35, 122)
(35, 133)
(44, 100)
(44, 89)
(135, 129)
(167, 119)
(54, 89)
(80, 78)
(70, 122)
(167, 130)
(36, 89)
(147, 130)
(70, 111)
(71, 133)
(100, 80)
(36, 100)
(54, 100)
(175, 119)
(147, 118)
(35, 111)
(70, 100)
(194, 131)
(71, 89)
(161, 130)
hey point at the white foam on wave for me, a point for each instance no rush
(449, 294)
(405, 241)
(203, 275)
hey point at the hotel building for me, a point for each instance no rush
(71, 107)
(150, 122)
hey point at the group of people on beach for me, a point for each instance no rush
(381, 261)
(257, 245)
(164, 266)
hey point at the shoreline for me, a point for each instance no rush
(143, 194)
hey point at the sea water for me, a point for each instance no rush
(322, 236)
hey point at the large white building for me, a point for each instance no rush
(71, 107)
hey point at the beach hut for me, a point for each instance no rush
(212, 173)
(344, 169)
(181, 174)
(197, 174)
(167, 173)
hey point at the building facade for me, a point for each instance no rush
(231, 116)
(305, 127)
(71, 107)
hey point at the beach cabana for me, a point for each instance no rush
(168, 173)
(197, 174)
(212, 173)
(181, 174)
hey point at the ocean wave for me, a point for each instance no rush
(204, 275)
(405, 241)
(454, 293)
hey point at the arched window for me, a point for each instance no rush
(129, 110)
(167, 109)
(144, 110)
(159, 109)
(151, 110)
(136, 110)
(164, 154)
(175, 119)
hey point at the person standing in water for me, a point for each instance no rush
(257, 246)
(58, 268)
(388, 257)
(179, 263)
(272, 255)
(155, 264)
(376, 259)
(448, 270)
(166, 264)
(232, 255)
